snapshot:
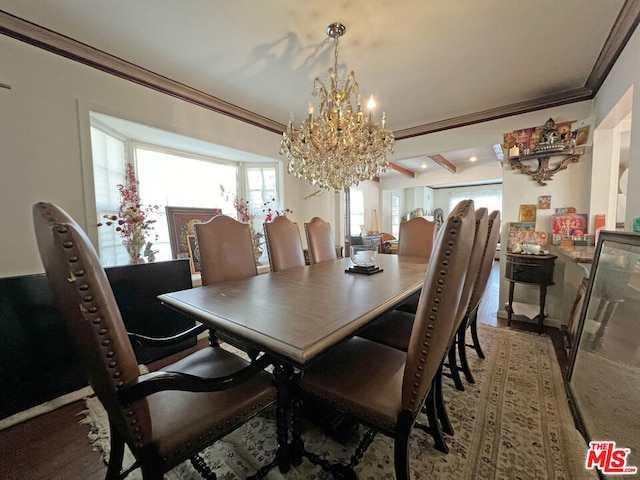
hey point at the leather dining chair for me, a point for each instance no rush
(226, 253)
(471, 316)
(415, 238)
(155, 414)
(383, 387)
(226, 250)
(479, 243)
(320, 241)
(394, 329)
(284, 245)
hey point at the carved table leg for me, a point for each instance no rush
(297, 444)
(282, 378)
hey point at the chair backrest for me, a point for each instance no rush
(438, 304)
(493, 234)
(284, 244)
(475, 260)
(226, 250)
(416, 237)
(82, 291)
(322, 247)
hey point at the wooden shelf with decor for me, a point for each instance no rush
(544, 172)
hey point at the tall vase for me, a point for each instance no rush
(257, 244)
(134, 248)
(257, 250)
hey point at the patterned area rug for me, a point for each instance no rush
(513, 423)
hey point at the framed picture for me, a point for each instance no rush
(569, 224)
(527, 213)
(544, 202)
(581, 136)
(564, 210)
(181, 221)
(194, 253)
(520, 232)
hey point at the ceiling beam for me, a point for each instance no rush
(444, 163)
(401, 170)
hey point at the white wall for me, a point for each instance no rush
(43, 129)
(570, 187)
(625, 75)
(43, 136)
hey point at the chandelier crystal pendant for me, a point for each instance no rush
(340, 146)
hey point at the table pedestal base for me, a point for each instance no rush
(291, 453)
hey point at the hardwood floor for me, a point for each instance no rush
(55, 445)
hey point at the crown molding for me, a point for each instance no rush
(620, 33)
(571, 96)
(20, 29)
(54, 42)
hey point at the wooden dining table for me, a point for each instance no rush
(299, 313)
(296, 315)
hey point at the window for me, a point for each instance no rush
(395, 215)
(486, 196)
(262, 187)
(169, 177)
(177, 180)
(109, 160)
(356, 203)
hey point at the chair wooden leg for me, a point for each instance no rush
(117, 454)
(401, 445)
(462, 351)
(474, 336)
(454, 372)
(441, 408)
(433, 428)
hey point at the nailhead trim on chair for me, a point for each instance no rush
(415, 400)
(90, 310)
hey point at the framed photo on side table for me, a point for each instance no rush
(181, 221)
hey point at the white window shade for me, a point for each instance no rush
(489, 197)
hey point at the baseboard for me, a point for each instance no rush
(51, 405)
(45, 407)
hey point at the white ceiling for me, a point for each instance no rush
(427, 62)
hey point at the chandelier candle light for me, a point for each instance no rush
(339, 147)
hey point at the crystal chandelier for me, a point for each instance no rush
(341, 146)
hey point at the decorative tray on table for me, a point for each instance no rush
(364, 270)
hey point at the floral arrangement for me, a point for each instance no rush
(243, 212)
(132, 221)
(270, 213)
(244, 215)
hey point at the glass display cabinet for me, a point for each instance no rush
(603, 374)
